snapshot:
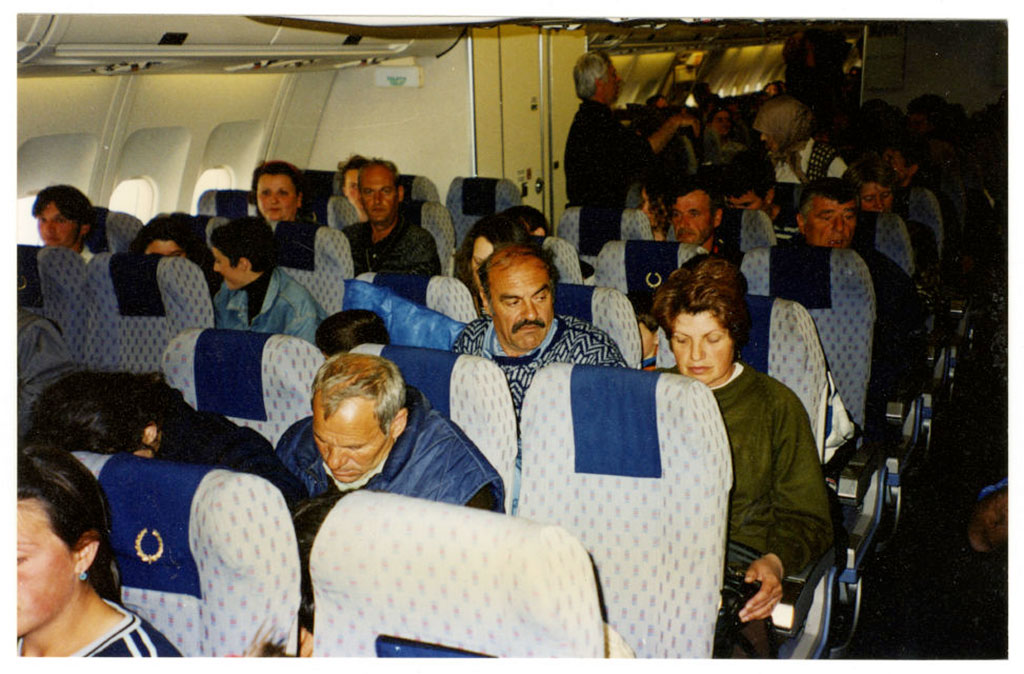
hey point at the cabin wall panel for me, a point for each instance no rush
(425, 130)
(296, 130)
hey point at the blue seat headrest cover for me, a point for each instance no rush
(429, 370)
(296, 244)
(573, 299)
(598, 226)
(228, 373)
(755, 353)
(232, 203)
(478, 195)
(412, 287)
(135, 284)
(96, 239)
(649, 264)
(30, 291)
(802, 274)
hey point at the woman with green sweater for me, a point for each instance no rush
(778, 504)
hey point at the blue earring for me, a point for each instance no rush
(83, 576)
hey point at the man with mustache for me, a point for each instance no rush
(519, 330)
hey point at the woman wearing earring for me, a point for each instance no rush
(67, 579)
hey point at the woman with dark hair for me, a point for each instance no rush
(778, 504)
(112, 412)
(481, 240)
(68, 590)
(172, 235)
(719, 144)
(349, 170)
(277, 190)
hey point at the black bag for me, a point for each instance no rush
(729, 631)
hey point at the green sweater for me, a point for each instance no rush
(778, 502)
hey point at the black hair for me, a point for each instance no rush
(177, 227)
(249, 237)
(103, 412)
(308, 517)
(834, 189)
(707, 179)
(498, 228)
(69, 200)
(75, 506)
(528, 216)
(345, 330)
(749, 171)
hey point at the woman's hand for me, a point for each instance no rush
(768, 570)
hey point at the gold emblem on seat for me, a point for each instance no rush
(657, 279)
(147, 558)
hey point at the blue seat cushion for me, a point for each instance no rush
(135, 284)
(228, 373)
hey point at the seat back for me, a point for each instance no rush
(637, 466)
(923, 207)
(229, 204)
(340, 212)
(886, 233)
(743, 229)
(835, 287)
(588, 228)
(605, 308)
(444, 294)
(409, 323)
(112, 231)
(318, 257)
(418, 188)
(207, 555)
(566, 260)
(387, 565)
(640, 266)
(469, 390)
(139, 303)
(435, 218)
(59, 292)
(30, 291)
(469, 199)
(255, 379)
(319, 189)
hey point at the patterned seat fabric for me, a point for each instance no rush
(112, 232)
(744, 230)
(418, 188)
(469, 199)
(588, 228)
(566, 260)
(207, 555)
(443, 294)
(606, 308)
(65, 294)
(390, 565)
(256, 380)
(139, 303)
(886, 233)
(317, 257)
(340, 212)
(319, 189)
(637, 466)
(835, 287)
(924, 207)
(225, 203)
(640, 266)
(434, 217)
(469, 390)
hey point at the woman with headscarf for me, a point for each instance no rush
(786, 125)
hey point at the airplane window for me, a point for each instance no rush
(219, 178)
(28, 230)
(136, 196)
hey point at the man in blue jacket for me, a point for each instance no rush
(370, 430)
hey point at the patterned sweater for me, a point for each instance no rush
(575, 341)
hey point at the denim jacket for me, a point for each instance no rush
(288, 309)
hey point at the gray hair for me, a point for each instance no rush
(590, 67)
(360, 375)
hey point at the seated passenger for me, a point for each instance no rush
(519, 330)
(695, 212)
(345, 330)
(719, 145)
(350, 181)
(750, 186)
(308, 518)
(277, 189)
(43, 358)
(387, 242)
(172, 235)
(652, 203)
(778, 504)
(785, 125)
(369, 429)
(69, 601)
(256, 294)
(486, 233)
(113, 412)
(530, 218)
(64, 216)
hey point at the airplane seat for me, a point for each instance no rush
(434, 217)
(640, 266)
(408, 323)
(207, 555)
(469, 390)
(139, 303)
(651, 505)
(444, 294)
(886, 233)
(454, 580)
(319, 189)
(340, 212)
(469, 199)
(566, 260)
(588, 228)
(318, 257)
(255, 379)
(923, 207)
(635, 196)
(787, 195)
(228, 204)
(112, 231)
(605, 308)
(744, 230)
(52, 283)
(418, 188)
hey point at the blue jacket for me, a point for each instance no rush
(432, 459)
(288, 309)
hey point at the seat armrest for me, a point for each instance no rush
(855, 476)
(798, 589)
